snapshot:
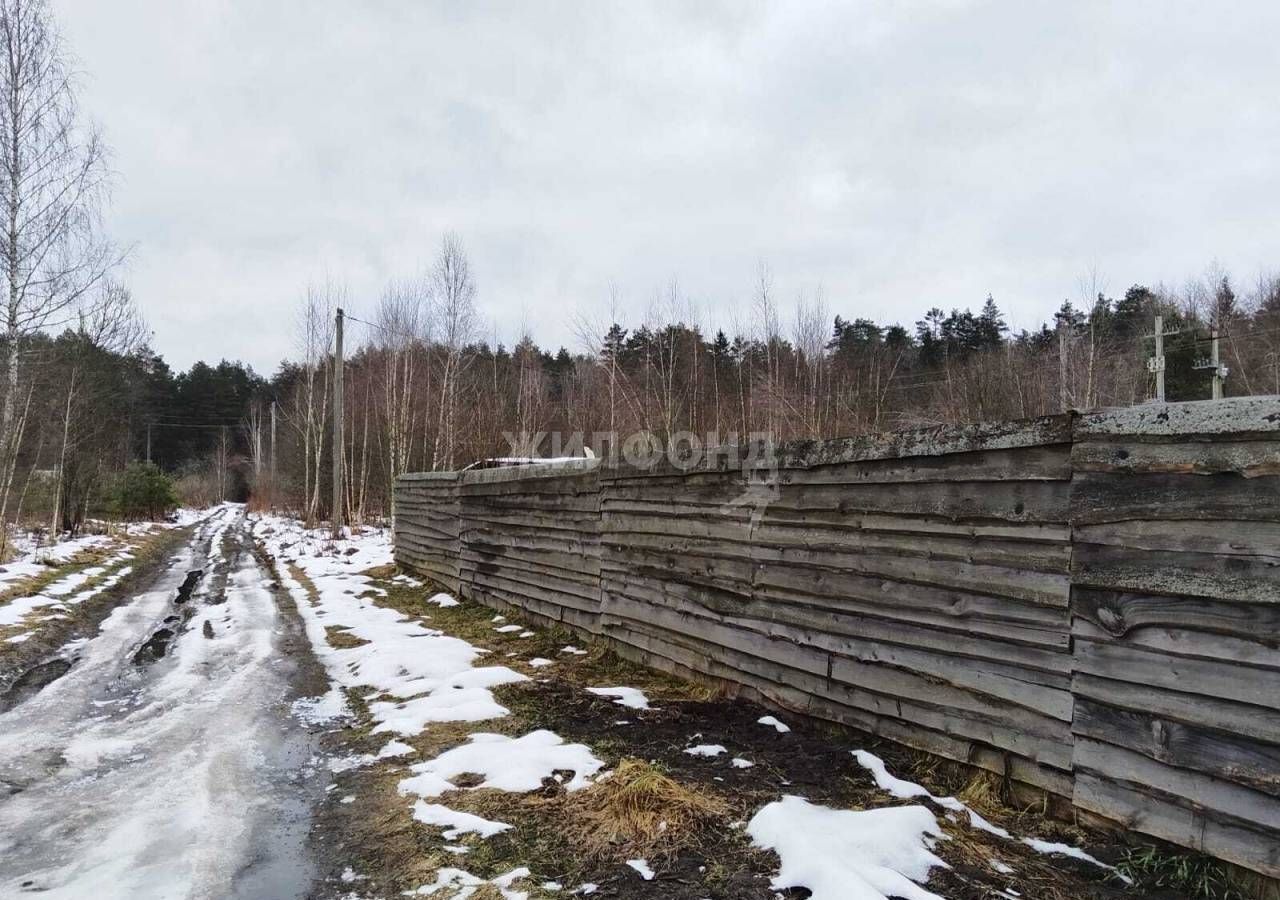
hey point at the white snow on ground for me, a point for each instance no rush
(773, 722)
(538, 662)
(507, 764)
(328, 707)
(632, 698)
(739, 763)
(393, 749)
(462, 884)
(907, 790)
(572, 650)
(62, 592)
(706, 750)
(32, 561)
(869, 854)
(442, 600)
(642, 868)
(429, 675)
(454, 822)
(507, 629)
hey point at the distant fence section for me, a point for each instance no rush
(1087, 604)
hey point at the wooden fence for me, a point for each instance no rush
(1086, 604)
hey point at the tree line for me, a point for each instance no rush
(424, 390)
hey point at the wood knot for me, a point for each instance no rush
(1160, 734)
(1111, 620)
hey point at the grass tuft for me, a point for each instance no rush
(1190, 875)
(639, 811)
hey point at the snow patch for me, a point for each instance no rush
(328, 707)
(910, 790)
(642, 868)
(456, 823)
(394, 748)
(629, 697)
(838, 854)
(773, 722)
(706, 750)
(463, 884)
(510, 764)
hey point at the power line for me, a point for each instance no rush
(385, 329)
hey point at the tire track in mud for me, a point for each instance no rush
(160, 756)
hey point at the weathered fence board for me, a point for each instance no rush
(1176, 624)
(1087, 604)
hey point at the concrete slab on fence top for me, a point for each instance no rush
(936, 440)
(428, 476)
(1239, 418)
(558, 469)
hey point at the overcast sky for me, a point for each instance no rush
(899, 155)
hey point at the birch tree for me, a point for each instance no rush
(404, 325)
(309, 409)
(53, 179)
(454, 304)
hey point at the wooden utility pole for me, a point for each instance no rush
(1214, 365)
(1217, 368)
(222, 468)
(1156, 363)
(273, 451)
(1062, 367)
(338, 443)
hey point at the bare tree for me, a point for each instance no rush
(809, 335)
(404, 325)
(108, 322)
(768, 331)
(309, 408)
(455, 314)
(53, 178)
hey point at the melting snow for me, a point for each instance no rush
(869, 854)
(507, 764)
(464, 884)
(429, 674)
(321, 710)
(395, 748)
(910, 790)
(456, 823)
(642, 867)
(706, 750)
(773, 722)
(623, 696)
(63, 591)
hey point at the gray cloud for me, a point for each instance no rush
(901, 155)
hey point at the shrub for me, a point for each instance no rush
(144, 492)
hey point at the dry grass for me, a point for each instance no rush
(638, 811)
(338, 637)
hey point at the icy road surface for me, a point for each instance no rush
(165, 763)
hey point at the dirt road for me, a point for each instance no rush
(162, 758)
